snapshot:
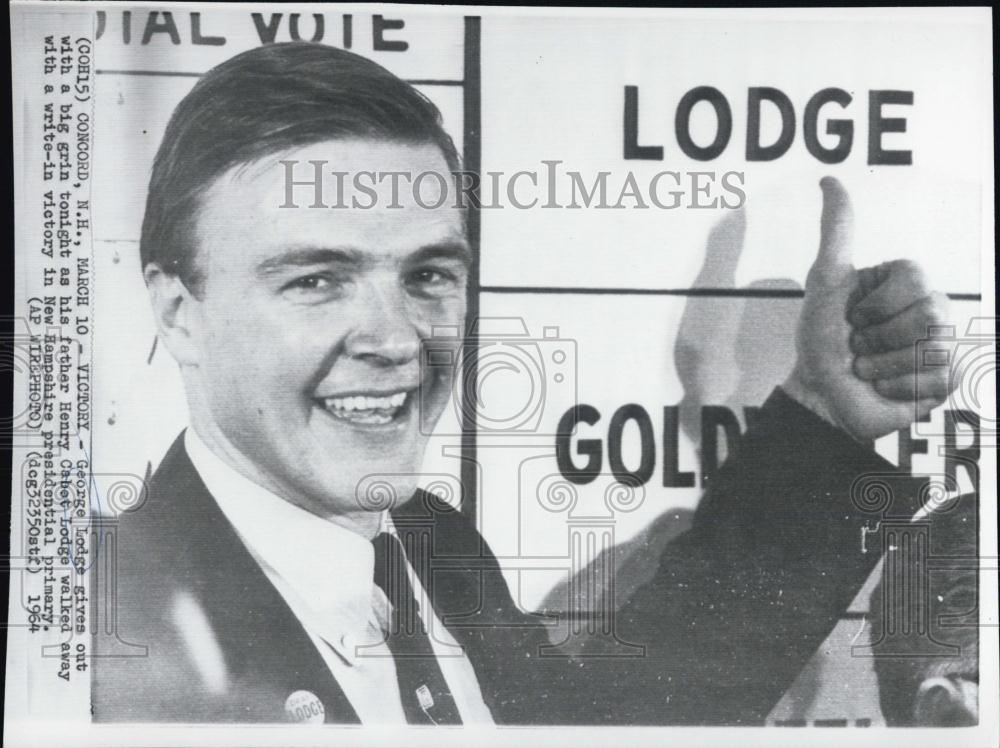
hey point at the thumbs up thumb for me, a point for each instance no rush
(836, 228)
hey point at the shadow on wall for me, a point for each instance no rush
(729, 351)
(732, 351)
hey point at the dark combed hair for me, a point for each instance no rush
(263, 101)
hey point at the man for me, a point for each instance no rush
(926, 645)
(267, 583)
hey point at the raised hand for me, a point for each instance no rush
(857, 364)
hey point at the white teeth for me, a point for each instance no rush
(363, 409)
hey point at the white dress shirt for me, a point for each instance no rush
(325, 574)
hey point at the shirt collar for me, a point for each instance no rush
(328, 569)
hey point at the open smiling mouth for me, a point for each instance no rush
(370, 410)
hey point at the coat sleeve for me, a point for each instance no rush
(777, 551)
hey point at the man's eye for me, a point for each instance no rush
(309, 283)
(428, 276)
(315, 286)
(432, 280)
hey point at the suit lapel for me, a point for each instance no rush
(471, 598)
(444, 558)
(267, 651)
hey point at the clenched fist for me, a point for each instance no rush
(857, 359)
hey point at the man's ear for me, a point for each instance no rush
(176, 312)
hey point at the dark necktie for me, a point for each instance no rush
(422, 687)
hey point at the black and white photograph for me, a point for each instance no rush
(407, 374)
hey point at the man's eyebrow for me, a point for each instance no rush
(306, 256)
(444, 251)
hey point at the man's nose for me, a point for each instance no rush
(387, 333)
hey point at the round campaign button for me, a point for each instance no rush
(304, 707)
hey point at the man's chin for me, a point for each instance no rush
(374, 475)
(384, 490)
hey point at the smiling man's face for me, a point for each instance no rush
(309, 323)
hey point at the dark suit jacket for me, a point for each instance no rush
(182, 570)
(737, 607)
